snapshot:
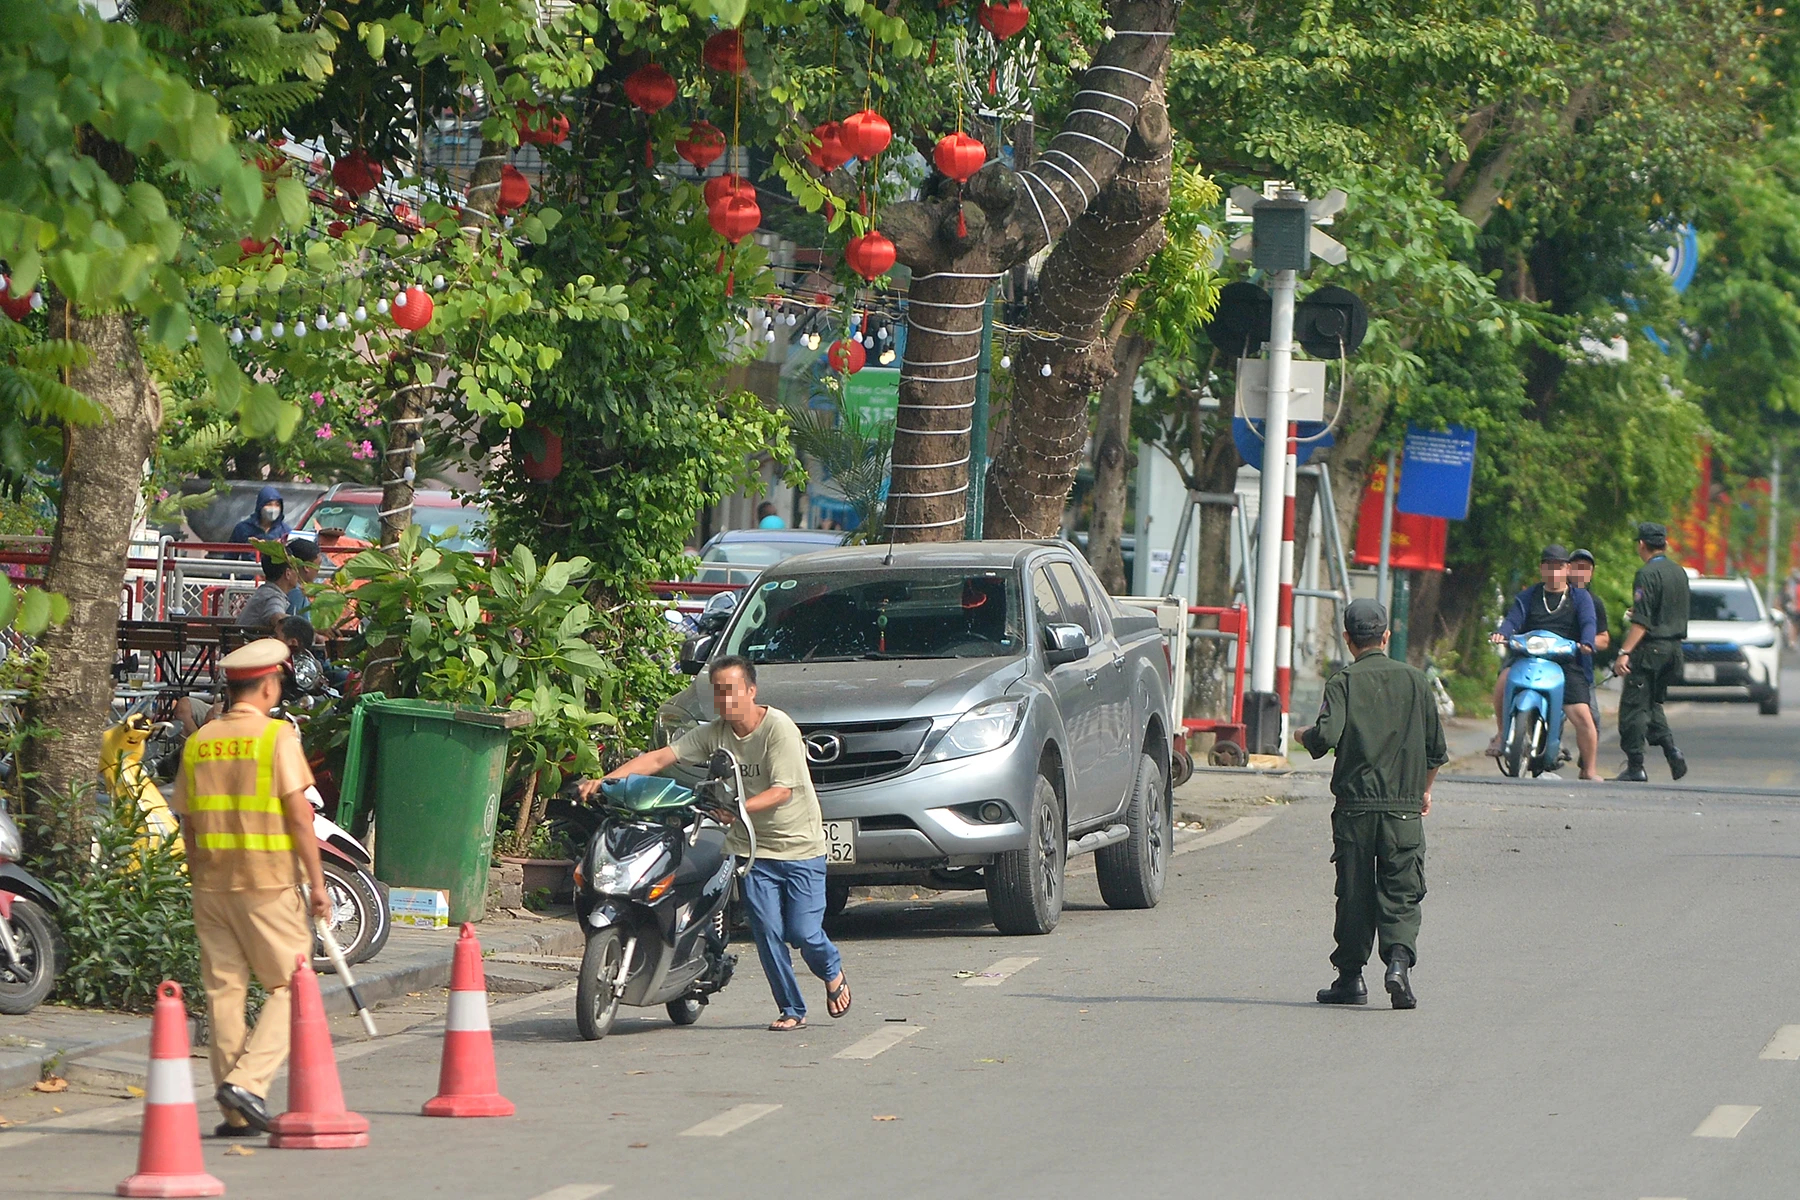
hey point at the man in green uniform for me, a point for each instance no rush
(1650, 657)
(1379, 715)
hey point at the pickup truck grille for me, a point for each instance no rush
(869, 750)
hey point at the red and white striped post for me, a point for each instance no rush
(1284, 627)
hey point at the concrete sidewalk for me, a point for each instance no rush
(52, 1037)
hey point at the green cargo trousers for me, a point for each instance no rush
(1655, 664)
(1380, 858)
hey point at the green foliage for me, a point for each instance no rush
(126, 916)
(852, 453)
(510, 635)
(1179, 286)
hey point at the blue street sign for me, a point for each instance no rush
(1437, 472)
(1248, 436)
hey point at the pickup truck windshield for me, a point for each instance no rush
(880, 614)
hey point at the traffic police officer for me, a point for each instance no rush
(1380, 717)
(247, 828)
(1650, 657)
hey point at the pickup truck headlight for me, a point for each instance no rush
(985, 727)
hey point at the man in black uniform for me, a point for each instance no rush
(1379, 715)
(1650, 657)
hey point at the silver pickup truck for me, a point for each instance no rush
(975, 714)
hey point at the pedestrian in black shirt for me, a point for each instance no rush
(1650, 658)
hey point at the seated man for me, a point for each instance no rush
(269, 602)
(1552, 606)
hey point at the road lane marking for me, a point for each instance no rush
(1785, 1045)
(731, 1120)
(1727, 1120)
(1231, 832)
(879, 1042)
(999, 973)
(575, 1191)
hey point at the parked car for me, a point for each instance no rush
(1733, 641)
(974, 714)
(738, 556)
(356, 510)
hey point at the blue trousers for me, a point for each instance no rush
(787, 908)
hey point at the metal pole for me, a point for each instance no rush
(978, 431)
(1274, 483)
(1180, 544)
(1384, 583)
(1284, 608)
(1339, 564)
(1773, 585)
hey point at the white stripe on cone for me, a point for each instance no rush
(171, 1081)
(468, 1013)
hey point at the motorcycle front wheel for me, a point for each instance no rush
(359, 919)
(596, 993)
(1523, 743)
(25, 983)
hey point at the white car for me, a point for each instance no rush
(1733, 642)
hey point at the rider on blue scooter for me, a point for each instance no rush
(1552, 605)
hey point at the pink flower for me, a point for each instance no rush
(323, 432)
(363, 451)
(318, 399)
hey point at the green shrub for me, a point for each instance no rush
(126, 915)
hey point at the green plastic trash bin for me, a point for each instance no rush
(435, 783)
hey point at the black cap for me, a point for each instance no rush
(1652, 534)
(1586, 556)
(1365, 621)
(1554, 552)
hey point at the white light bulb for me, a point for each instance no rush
(342, 320)
(299, 330)
(256, 334)
(409, 474)
(362, 314)
(280, 329)
(237, 336)
(792, 320)
(37, 302)
(885, 333)
(769, 336)
(887, 356)
(437, 283)
(321, 322)
(1006, 362)
(400, 300)
(193, 335)
(1044, 370)
(381, 306)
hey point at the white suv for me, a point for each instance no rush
(1732, 642)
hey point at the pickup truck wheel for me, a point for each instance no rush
(1025, 887)
(837, 895)
(1131, 872)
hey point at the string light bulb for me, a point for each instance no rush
(280, 329)
(437, 283)
(300, 330)
(362, 314)
(321, 322)
(1006, 362)
(236, 336)
(256, 333)
(1044, 370)
(381, 306)
(342, 320)
(400, 298)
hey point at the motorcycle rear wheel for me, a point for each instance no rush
(359, 915)
(596, 1001)
(1520, 748)
(24, 986)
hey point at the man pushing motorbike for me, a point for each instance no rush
(785, 889)
(1552, 606)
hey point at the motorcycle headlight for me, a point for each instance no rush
(11, 844)
(1537, 645)
(620, 875)
(985, 727)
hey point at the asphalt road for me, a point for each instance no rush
(1608, 989)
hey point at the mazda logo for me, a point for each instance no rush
(822, 748)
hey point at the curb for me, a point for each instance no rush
(23, 1071)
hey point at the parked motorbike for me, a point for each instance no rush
(30, 946)
(1532, 741)
(652, 893)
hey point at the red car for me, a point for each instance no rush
(356, 510)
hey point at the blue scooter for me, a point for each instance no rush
(1534, 704)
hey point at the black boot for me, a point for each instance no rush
(244, 1103)
(1676, 759)
(1349, 989)
(1634, 770)
(1399, 987)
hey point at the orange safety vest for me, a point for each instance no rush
(240, 833)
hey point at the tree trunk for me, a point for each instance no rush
(102, 470)
(1035, 466)
(1113, 461)
(1009, 216)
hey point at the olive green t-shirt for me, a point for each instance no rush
(772, 756)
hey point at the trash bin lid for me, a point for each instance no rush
(499, 718)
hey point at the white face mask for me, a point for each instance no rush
(270, 512)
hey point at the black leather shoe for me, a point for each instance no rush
(225, 1129)
(1633, 772)
(1399, 987)
(1349, 989)
(245, 1104)
(1677, 762)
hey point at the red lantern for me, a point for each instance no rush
(337, 229)
(702, 145)
(1003, 19)
(253, 247)
(959, 156)
(551, 127)
(544, 465)
(721, 186)
(515, 189)
(405, 215)
(866, 134)
(725, 52)
(415, 314)
(829, 153)
(870, 255)
(735, 217)
(16, 307)
(651, 88)
(357, 173)
(848, 357)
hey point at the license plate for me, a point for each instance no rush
(840, 841)
(1700, 673)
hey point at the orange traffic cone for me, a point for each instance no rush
(316, 1118)
(467, 1086)
(169, 1162)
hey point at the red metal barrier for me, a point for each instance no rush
(1234, 622)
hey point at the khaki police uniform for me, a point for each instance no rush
(245, 875)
